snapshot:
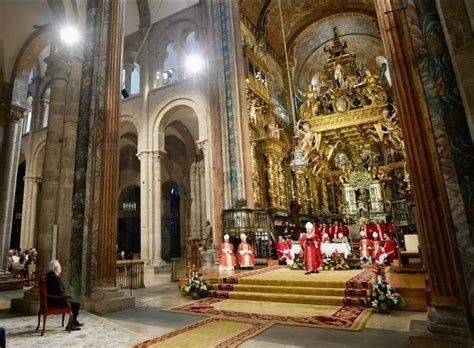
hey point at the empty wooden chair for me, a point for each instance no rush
(46, 310)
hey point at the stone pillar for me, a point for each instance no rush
(58, 70)
(194, 230)
(146, 206)
(181, 53)
(157, 250)
(160, 67)
(29, 213)
(128, 76)
(8, 172)
(447, 296)
(109, 183)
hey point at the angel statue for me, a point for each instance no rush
(310, 141)
(253, 111)
(274, 130)
(372, 90)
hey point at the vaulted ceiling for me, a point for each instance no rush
(297, 15)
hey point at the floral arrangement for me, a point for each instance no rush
(327, 262)
(381, 295)
(335, 262)
(298, 262)
(196, 286)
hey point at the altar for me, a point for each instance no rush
(326, 248)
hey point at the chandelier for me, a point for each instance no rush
(299, 162)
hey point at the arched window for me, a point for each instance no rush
(45, 114)
(27, 120)
(170, 67)
(135, 79)
(191, 43)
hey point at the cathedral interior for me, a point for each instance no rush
(139, 138)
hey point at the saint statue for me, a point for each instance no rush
(226, 257)
(246, 255)
(339, 76)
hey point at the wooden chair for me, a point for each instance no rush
(45, 310)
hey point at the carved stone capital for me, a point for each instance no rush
(59, 66)
(158, 155)
(33, 179)
(17, 112)
(202, 145)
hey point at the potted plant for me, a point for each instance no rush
(381, 295)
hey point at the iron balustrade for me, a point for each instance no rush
(130, 274)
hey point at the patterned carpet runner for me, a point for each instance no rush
(212, 332)
(329, 317)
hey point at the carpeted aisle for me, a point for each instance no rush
(330, 317)
(212, 332)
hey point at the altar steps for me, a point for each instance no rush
(280, 297)
(292, 290)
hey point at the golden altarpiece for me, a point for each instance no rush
(345, 157)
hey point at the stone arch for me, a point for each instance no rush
(37, 160)
(26, 60)
(164, 115)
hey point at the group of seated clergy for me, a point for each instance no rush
(245, 254)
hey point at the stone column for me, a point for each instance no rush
(156, 252)
(128, 76)
(58, 70)
(447, 295)
(28, 221)
(108, 206)
(160, 66)
(146, 206)
(8, 172)
(181, 53)
(194, 209)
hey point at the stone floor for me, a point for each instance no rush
(148, 321)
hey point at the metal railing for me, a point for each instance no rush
(256, 224)
(130, 274)
(403, 212)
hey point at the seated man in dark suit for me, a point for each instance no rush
(55, 287)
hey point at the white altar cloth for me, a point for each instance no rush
(326, 248)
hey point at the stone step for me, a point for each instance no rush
(290, 290)
(286, 298)
(109, 305)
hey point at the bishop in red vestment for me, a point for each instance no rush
(226, 256)
(246, 255)
(312, 251)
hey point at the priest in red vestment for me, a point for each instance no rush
(246, 255)
(375, 247)
(388, 250)
(345, 230)
(284, 252)
(226, 256)
(312, 251)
